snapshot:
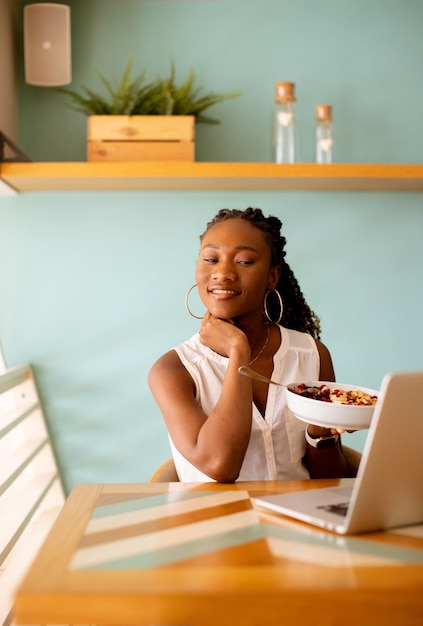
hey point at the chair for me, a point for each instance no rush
(31, 493)
(166, 473)
(353, 458)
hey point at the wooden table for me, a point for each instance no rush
(201, 554)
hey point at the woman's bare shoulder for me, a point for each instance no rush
(168, 367)
(169, 361)
(326, 365)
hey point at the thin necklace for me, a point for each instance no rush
(263, 346)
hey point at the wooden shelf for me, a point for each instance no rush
(201, 176)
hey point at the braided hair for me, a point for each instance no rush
(297, 315)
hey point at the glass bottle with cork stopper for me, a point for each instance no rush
(285, 139)
(325, 134)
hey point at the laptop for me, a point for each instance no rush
(388, 489)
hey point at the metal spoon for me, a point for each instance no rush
(250, 373)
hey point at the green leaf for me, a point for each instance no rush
(134, 97)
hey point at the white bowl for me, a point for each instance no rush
(329, 414)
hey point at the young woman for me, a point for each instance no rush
(223, 426)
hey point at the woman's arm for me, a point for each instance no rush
(214, 443)
(325, 462)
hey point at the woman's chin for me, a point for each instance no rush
(220, 313)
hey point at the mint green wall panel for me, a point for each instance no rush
(92, 285)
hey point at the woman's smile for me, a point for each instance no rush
(223, 292)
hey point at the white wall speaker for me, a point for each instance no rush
(47, 44)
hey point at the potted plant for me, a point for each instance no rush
(140, 121)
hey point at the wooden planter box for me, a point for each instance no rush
(141, 138)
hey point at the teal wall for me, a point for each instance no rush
(364, 58)
(93, 284)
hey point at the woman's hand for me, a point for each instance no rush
(319, 431)
(221, 336)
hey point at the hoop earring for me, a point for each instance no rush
(187, 305)
(266, 312)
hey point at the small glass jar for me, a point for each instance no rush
(285, 138)
(325, 134)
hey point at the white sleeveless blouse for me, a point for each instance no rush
(277, 444)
